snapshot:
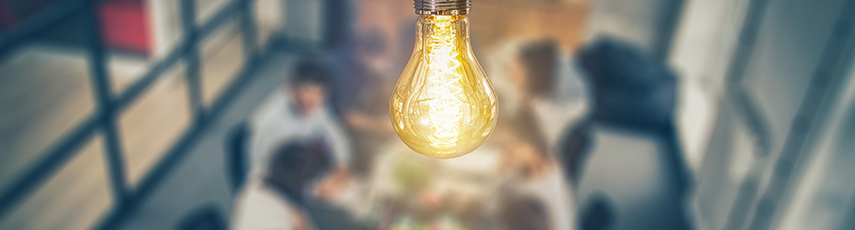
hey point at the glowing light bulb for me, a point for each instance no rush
(443, 105)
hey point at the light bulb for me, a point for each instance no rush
(443, 105)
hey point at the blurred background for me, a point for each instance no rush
(273, 114)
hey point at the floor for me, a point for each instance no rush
(199, 179)
(46, 90)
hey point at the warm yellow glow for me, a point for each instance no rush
(443, 105)
(445, 82)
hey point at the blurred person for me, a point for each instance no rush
(518, 212)
(538, 76)
(299, 112)
(533, 170)
(358, 68)
(364, 85)
(276, 199)
(366, 105)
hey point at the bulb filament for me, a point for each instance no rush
(445, 111)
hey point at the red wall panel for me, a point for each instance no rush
(125, 25)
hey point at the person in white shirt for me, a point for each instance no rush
(259, 207)
(298, 112)
(275, 199)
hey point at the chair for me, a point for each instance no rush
(574, 149)
(634, 97)
(207, 217)
(630, 89)
(237, 162)
(634, 92)
(597, 214)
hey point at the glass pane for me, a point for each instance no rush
(305, 20)
(822, 199)
(138, 34)
(790, 43)
(222, 59)
(76, 197)
(205, 9)
(268, 19)
(45, 91)
(154, 122)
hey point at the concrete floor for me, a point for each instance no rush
(200, 178)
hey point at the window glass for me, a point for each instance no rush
(154, 122)
(77, 196)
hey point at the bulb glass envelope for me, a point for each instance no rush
(443, 105)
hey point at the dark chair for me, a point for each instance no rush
(237, 154)
(574, 149)
(207, 217)
(630, 89)
(635, 92)
(597, 214)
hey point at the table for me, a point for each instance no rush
(405, 190)
(408, 191)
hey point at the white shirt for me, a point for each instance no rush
(552, 190)
(258, 207)
(276, 123)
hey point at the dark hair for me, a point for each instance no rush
(310, 71)
(539, 62)
(523, 213)
(294, 165)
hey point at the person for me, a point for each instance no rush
(533, 171)
(519, 212)
(362, 96)
(536, 76)
(360, 71)
(299, 112)
(276, 199)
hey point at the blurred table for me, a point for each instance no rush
(405, 190)
(408, 191)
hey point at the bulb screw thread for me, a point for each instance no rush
(442, 7)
